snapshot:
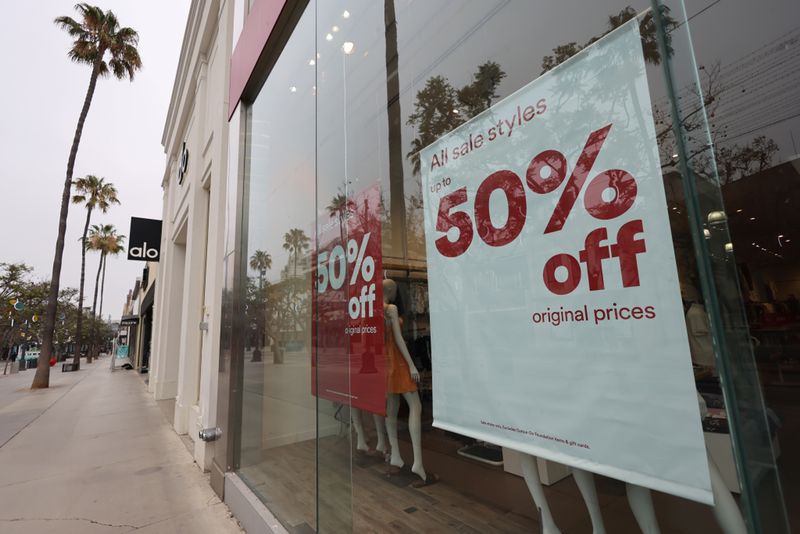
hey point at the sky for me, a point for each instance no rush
(42, 93)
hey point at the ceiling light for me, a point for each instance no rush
(293, 89)
(347, 47)
(335, 29)
(329, 37)
(716, 217)
(752, 218)
(346, 14)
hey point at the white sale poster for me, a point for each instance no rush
(556, 315)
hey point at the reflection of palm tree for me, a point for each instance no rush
(296, 242)
(261, 261)
(340, 208)
(440, 108)
(396, 187)
(647, 30)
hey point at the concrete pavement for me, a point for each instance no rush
(94, 454)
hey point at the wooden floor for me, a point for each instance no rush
(356, 495)
(370, 501)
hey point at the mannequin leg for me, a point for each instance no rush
(415, 429)
(361, 442)
(641, 503)
(728, 515)
(380, 429)
(531, 473)
(392, 407)
(585, 481)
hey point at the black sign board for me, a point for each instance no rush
(144, 243)
(129, 320)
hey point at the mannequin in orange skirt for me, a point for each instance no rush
(401, 380)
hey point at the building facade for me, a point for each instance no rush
(477, 266)
(187, 302)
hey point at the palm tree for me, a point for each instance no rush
(114, 245)
(96, 34)
(95, 193)
(296, 241)
(260, 261)
(104, 239)
(340, 208)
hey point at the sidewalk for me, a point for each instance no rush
(94, 454)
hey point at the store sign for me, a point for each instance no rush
(129, 320)
(183, 163)
(556, 318)
(348, 364)
(144, 243)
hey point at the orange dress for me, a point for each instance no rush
(398, 375)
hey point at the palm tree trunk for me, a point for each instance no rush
(94, 303)
(397, 201)
(42, 377)
(102, 290)
(79, 325)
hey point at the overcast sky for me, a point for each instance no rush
(41, 94)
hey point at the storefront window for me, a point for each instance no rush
(489, 240)
(277, 453)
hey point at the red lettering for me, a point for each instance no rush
(529, 113)
(459, 219)
(593, 255)
(626, 250)
(573, 274)
(511, 185)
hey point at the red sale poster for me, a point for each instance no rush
(348, 362)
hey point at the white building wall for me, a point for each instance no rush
(187, 329)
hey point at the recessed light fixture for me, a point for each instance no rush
(752, 218)
(740, 210)
(293, 89)
(329, 37)
(346, 14)
(312, 62)
(347, 47)
(335, 29)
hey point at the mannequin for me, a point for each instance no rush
(401, 380)
(380, 428)
(726, 511)
(638, 497)
(585, 482)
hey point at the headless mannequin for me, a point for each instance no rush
(726, 512)
(392, 324)
(638, 497)
(380, 429)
